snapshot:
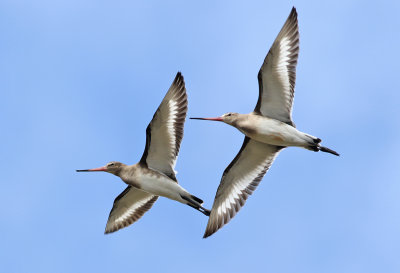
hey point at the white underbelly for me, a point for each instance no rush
(161, 186)
(275, 133)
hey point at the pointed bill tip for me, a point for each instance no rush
(213, 119)
(101, 169)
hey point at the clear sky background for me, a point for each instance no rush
(80, 81)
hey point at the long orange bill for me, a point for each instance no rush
(101, 169)
(214, 119)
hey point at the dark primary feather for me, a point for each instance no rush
(277, 76)
(164, 133)
(239, 180)
(129, 207)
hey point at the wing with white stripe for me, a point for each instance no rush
(165, 131)
(239, 181)
(128, 207)
(277, 76)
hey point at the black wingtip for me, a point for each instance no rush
(179, 80)
(207, 234)
(178, 76)
(293, 13)
(109, 231)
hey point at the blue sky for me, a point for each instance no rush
(80, 80)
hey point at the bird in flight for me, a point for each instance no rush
(268, 129)
(154, 175)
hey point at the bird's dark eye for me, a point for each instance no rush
(229, 115)
(111, 164)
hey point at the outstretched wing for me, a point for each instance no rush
(165, 131)
(239, 181)
(277, 76)
(128, 207)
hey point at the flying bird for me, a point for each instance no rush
(154, 175)
(268, 129)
